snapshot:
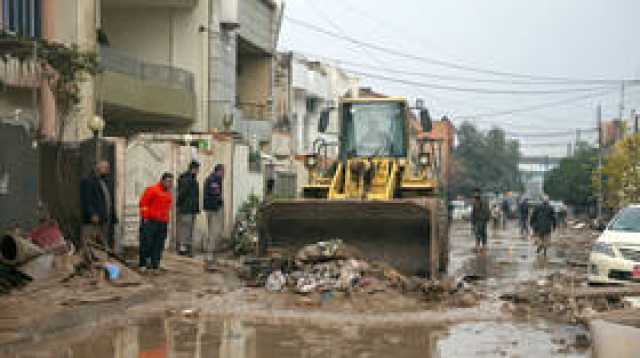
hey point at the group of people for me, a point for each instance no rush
(155, 207)
(542, 221)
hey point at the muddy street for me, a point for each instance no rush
(246, 322)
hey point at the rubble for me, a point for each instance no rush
(321, 270)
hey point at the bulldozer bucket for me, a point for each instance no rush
(405, 234)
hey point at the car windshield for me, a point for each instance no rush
(627, 220)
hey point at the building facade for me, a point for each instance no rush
(173, 66)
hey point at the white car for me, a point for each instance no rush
(615, 256)
(461, 210)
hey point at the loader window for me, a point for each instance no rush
(374, 129)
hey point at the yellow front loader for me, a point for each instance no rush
(382, 195)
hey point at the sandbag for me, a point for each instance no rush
(15, 250)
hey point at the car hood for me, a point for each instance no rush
(620, 238)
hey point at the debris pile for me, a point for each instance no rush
(331, 266)
(562, 297)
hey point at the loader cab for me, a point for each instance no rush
(373, 128)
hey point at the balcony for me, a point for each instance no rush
(139, 93)
(147, 3)
(15, 74)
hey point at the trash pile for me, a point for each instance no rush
(331, 266)
(245, 232)
(562, 297)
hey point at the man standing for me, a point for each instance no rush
(213, 205)
(98, 214)
(155, 206)
(523, 213)
(543, 221)
(506, 211)
(479, 218)
(188, 206)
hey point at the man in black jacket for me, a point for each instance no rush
(543, 221)
(98, 212)
(214, 207)
(479, 218)
(188, 205)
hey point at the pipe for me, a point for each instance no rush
(15, 250)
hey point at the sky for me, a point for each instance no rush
(399, 45)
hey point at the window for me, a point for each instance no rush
(22, 17)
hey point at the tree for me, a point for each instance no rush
(622, 173)
(571, 180)
(486, 161)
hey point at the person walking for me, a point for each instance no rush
(506, 212)
(479, 217)
(155, 207)
(496, 218)
(543, 221)
(213, 203)
(98, 211)
(523, 213)
(188, 205)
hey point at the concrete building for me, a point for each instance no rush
(167, 65)
(173, 72)
(304, 89)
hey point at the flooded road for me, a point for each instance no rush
(510, 260)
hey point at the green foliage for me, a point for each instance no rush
(62, 66)
(245, 231)
(622, 173)
(486, 161)
(571, 181)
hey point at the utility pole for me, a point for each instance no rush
(599, 126)
(634, 117)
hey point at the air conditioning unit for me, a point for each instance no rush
(229, 14)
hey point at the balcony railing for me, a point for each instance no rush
(118, 61)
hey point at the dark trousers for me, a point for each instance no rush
(480, 231)
(153, 235)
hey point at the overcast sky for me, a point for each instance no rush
(582, 39)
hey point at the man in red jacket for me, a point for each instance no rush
(155, 206)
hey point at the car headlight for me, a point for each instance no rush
(424, 159)
(603, 248)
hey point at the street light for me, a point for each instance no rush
(96, 125)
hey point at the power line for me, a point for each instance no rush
(474, 90)
(534, 107)
(443, 63)
(438, 76)
(550, 134)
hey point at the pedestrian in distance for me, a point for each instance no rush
(506, 212)
(523, 216)
(213, 205)
(479, 217)
(562, 217)
(155, 207)
(188, 206)
(543, 222)
(496, 218)
(98, 211)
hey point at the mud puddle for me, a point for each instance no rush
(235, 338)
(509, 261)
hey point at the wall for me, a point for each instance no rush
(18, 178)
(143, 33)
(254, 85)
(256, 23)
(222, 59)
(245, 182)
(74, 22)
